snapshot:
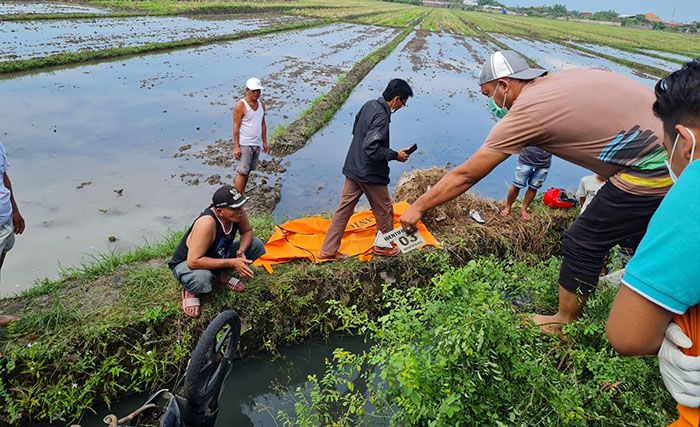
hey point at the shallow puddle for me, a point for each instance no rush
(448, 118)
(556, 57)
(29, 39)
(17, 7)
(76, 137)
(631, 56)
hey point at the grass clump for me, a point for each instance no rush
(458, 353)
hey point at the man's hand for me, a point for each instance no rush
(266, 148)
(18, 222)
(241, 254)
(402, 155)
(237, 152)
(241, 267)
(681, 373)
(410, 218)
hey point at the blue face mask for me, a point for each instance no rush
(674, 177)
(498, 112)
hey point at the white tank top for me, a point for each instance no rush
(250, 132)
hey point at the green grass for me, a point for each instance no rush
(442, 20)
(69, 58)
(114, 327)
(459, 353)
(623, 38)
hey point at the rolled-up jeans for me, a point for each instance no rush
(201, 281)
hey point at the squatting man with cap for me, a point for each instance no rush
(594, 118)
(208, 249)
(249, 132)
(366, 169)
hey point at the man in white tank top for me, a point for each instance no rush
(249, 132)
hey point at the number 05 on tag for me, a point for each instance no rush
(406, 242)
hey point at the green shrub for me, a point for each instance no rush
(460, 353)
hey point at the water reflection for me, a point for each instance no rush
(116, 126)
(19, 7)
(258, 388)
(28, 39)
(448, 118)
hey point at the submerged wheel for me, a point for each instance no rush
(211, 362)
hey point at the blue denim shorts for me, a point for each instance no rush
(529, 176)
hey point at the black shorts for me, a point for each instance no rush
(613, 217)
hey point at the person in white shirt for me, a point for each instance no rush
(11, 221)
(249, 132)
(587, 189)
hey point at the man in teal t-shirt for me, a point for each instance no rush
(663, 277)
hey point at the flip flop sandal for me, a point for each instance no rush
(338, 256)
(393, 251)
(189, 303)
(476, 216)
(235, 285)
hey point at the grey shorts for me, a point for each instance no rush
(7, 236)
(249, 159)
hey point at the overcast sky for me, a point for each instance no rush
(670, 10)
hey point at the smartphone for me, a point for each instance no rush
(411, 149)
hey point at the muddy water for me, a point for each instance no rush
(631, 56)
(91, 148)
(448, 118)
(258, 388)
(19, 7)
(28, 39)
(556, 57)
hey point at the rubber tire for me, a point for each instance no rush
(191, 384)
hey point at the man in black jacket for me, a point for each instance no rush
(366, 168)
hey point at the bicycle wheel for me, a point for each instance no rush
(211, 362)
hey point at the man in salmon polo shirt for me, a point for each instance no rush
(594, 118)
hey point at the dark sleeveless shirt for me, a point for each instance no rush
(220, 248)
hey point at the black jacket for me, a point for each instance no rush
(368, 158)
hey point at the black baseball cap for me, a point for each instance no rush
(228, 197)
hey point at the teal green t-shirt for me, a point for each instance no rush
(666, 267)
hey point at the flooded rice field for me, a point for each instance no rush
(110, 149)
(21, 7)
(29, 39)
(556, 57)
(668, 54)
(448, 118)
(257, 388)
(631, 56)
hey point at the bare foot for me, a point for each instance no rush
(338, 256)
(190, 304)
(524, 215)
(505, 212)
(549, 325)
(6, 320)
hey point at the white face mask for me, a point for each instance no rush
(674, 177)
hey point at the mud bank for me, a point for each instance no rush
(115, 328)
(322, 110)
